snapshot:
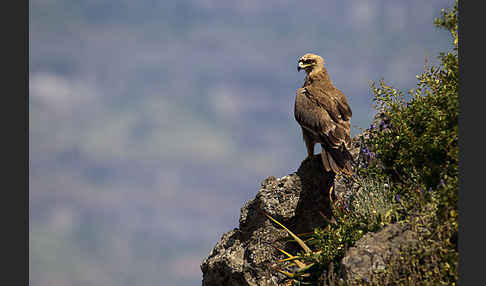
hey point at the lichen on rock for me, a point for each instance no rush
(245, 255)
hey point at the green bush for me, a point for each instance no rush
(416, 141)
(408, 172)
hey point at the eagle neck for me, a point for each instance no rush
(320, 76)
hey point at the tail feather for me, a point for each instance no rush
(334, 166)
(339, 160)
(325, 161)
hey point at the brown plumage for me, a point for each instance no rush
(323, 112)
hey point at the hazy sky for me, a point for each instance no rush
(152, 122)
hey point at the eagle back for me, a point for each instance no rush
(320, 90)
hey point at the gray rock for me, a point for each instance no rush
(343, 186)
(245, 256)
(372, 253)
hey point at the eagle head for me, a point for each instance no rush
(310, 62)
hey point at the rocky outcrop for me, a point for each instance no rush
(300, 201)
(245, 255)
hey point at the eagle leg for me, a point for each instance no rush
(309, 144)
(325, 160)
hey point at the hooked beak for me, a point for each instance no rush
(301, 66)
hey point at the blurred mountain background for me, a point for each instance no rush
(152, 122)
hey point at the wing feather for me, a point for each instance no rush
(322, 117)
(331, 99)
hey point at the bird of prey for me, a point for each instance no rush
(324, 114)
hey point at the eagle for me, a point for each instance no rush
(324, 114)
